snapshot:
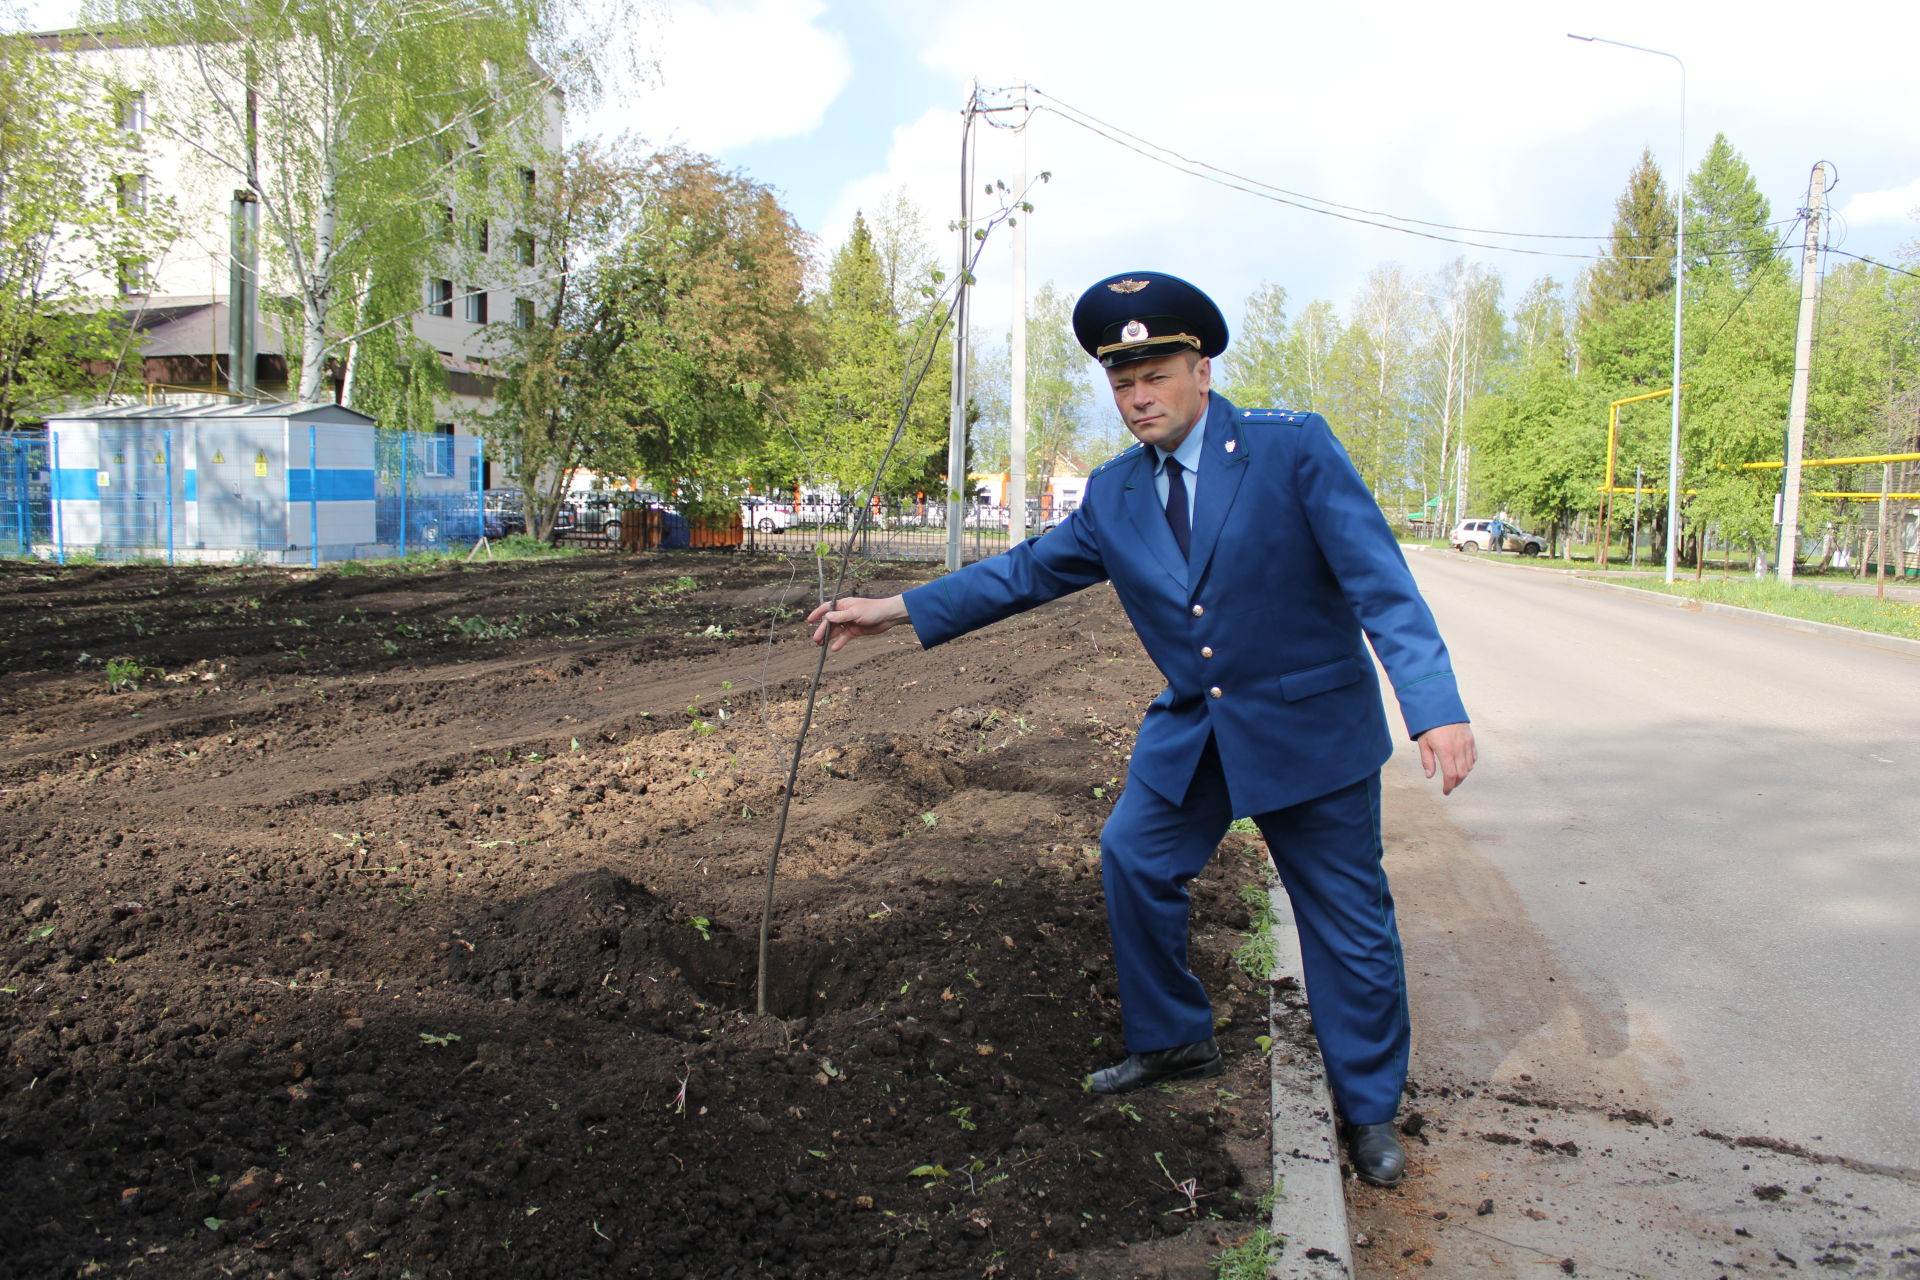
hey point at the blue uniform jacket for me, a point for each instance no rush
(1259, 635)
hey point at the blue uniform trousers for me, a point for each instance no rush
(1328, 853)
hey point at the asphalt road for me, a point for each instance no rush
(1673, 922)
(1717, 824)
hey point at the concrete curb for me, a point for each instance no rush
(1311, 1240)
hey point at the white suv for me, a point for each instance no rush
(1495, 535)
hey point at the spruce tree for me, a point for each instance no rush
(1637, 261)
(1727, 231)
(1626, 306)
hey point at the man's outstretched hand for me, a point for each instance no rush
(851, 616)
(1448, 747)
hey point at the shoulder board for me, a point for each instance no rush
(1284, 417)
(1122, 456)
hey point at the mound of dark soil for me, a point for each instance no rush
(406, 925)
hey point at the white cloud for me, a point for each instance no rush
(1900, 205)
(733, 73)
(1481, 115)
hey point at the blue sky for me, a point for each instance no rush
(1479, 114)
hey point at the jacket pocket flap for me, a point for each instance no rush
(1296, 685)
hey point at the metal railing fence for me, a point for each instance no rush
(883, 530)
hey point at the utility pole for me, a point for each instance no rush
(243, 266)
(957, 418)
(1639, 482)
(1459, 482)
(1880, 543)
(1017, 462)
(1802, 374)
(243, 292)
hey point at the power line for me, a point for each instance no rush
(1260, 189)
(1872, 262)
(1752, 284)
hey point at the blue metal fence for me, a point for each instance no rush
(26, 508)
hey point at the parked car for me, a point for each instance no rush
(767, 517)
(503, 512)
(1495, 535)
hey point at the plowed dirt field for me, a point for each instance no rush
(405, 924)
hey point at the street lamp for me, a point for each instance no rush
(1679, 291)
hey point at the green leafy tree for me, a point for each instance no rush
(1373, 367)
(703, 304)
(673, 337)
(71, 216)
(1463, 333)
(870, 353)
(1536, 450)
(1260, 364)
(1867, 372)
(1059, 389)
(556, 408)
(1739, 380)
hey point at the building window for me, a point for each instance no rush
(523, 317)
(440, 298)
(477, 235)
(131, 191)
(529, 181)
(476, 304)
(131, 276)
(440, 222)
(523, 248)
(130, 111)
(440, 450)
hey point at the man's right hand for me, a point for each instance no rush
(853, 616)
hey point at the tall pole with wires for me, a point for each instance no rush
(957, 418)
(1017, 371)
(1802, 376)
(1679, 291)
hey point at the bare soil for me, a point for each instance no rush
(404, 924)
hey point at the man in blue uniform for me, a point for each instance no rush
(1256, 568)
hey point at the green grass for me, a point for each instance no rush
(1258, 955)
(1247, 1260)
(1863, 613)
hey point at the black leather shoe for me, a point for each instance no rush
(1376, 1154)
(1196, 1061)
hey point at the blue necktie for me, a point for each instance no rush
(1178, 518)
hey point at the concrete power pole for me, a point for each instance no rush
(957, 418)
(1017, 463)
(243, 293)
(1802, 375)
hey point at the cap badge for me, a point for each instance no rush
(1134, 331)
(1127, 286)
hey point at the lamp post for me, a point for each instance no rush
(1679, 290)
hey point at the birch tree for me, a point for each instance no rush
(70, 212)
(1463, 328)
(1382, 338)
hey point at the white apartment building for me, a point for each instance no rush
(489, 270)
